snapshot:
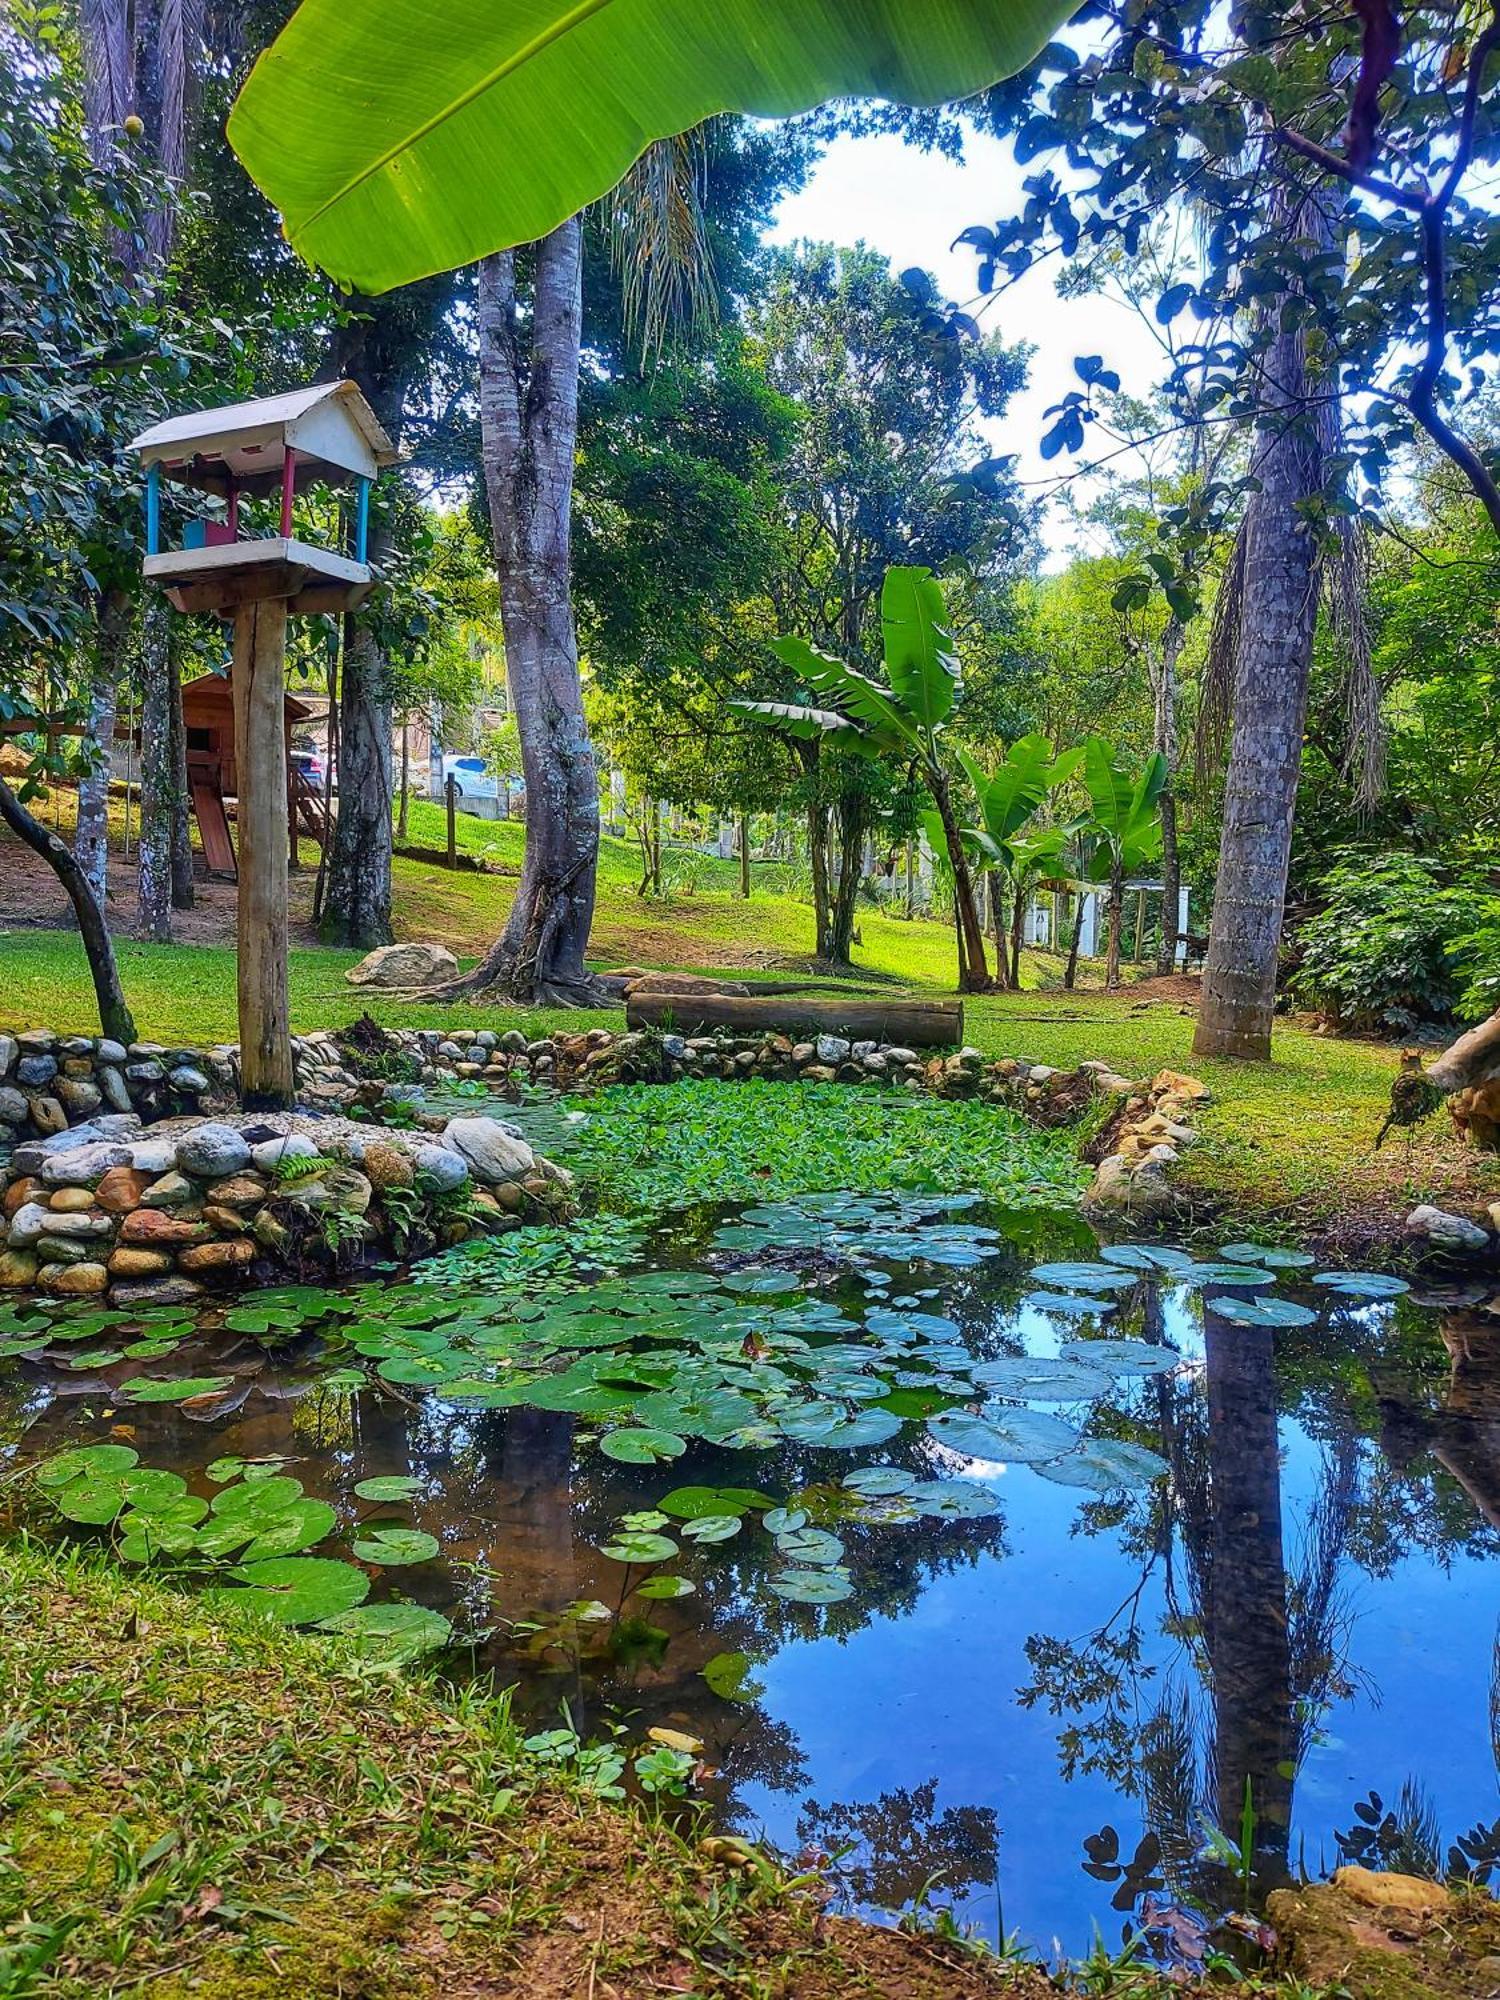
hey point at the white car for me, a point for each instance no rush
(470, 779)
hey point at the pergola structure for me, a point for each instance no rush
(324, 435)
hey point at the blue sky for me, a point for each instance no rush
(911, 205)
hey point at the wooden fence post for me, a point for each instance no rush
(259, 683)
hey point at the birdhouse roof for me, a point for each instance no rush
(329, 425)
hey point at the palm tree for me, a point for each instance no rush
(1125, 816)
(902, 720)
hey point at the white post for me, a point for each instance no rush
(1179, 953)
(1088, 920)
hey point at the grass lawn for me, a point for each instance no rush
(1290, 1141)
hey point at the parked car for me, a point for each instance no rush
(310, 767)
(470, 779)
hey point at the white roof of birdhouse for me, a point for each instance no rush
(329, 425)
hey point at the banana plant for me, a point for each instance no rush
(901, 719)
(1125, 818)
(1009, 798)
(399, 139)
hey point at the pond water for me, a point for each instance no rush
(1008, 1569)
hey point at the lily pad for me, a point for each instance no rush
(690, 1503)
(1242, 1277)
(291, 1529)
(727, 1674)
(814, 1547)
(388, 1486)
(1263, 1312)
(640, 1548)
(1271, 1255)
(1077, 1304)
(953, 1500)
(98, 1459)
(301, 1590)
(666, 1587)
(781, 1519)
(1122, 1357)
(1148, 1257)
(881, 1480)
(812, 1586)
(394, 1548)
(1362, 1284)
(712, 1528)
(391, 1632)
(153, 1389)
(93, 1501)
(1086, 1277)
(1101, 1465)
(642, 1447)
(1020, 1436)
(1038, 1379)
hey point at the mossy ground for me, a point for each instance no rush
(1287, 1144)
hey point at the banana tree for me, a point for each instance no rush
(1009, 799)
(903, 719)
(1125, 816)
(397, 139)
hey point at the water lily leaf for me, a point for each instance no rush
(712, 1528)
(812, 1586)
(641, 1447)
(782, 1519)
(1271, 1255)
(394, 1548)
(1075, 1303)
(690, 1503)
(1103, 1464)
(291, 1529)
(1264, 1312)
(640, 1548)
(1038, 1379)
(422, 1371)
(84, 1459)
(1022, 1436)
(1243, 1277)
(1362, 1284)
(301, 1590)
(953, 1500)
(728, 1675)
(145, 1537)
(1122, 1357)
(150, 1389)
(389, 1486)
(1085, 1277)
(760, 1284)
(391, 1632)
(1147, 1257)
(813, 1547)
(149, 1490)
(258, 1497)
(666, 1586)
(879, 1480)
(92, 1501)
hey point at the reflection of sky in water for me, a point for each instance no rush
(903, 1700)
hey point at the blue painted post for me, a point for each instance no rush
(362, 521)
(153, 507)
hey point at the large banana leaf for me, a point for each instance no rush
(1010, 796)
(863, 701)
(401, 137)
(794, 718)
(919, 658)
(1124, 808)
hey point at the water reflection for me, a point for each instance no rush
(1086, 1709)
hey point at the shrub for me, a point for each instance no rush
(1475, 958)
(1378, 956)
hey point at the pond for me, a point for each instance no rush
(1060, 1585)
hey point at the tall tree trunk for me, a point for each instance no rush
(181, 836)
(1167, 744)
(1070, 971)
(851, 829)
(115, 622)
(974, 974)
(1017, 932)
(528, 403)
(154, 915)
(403, 813)
(997, 923)
(817, 862)
(357, 902)
(115, 1018)
(1277, 615)
(745, 856)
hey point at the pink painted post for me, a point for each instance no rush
(234, 512)
(288, 488)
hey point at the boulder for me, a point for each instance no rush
(831, 1048)
(1378, 1889)
(270, 1153)
(494, 1151)
(48, 1116)
(8, 1048)
(35, 1072)
(71, 1201)
(26, 1189)
(1444, 1231)
(63, 1250)
(404, 966)
(211, 1151)
(388, 1166)
(155, 1228)
(153, 1156)
(173, 1291)
(189, 1079)
(239, 1191)
(173, 1190)
(17, 1269)
(135, 1263)
(80, 1097)
(83, 1166)
(441, 1167)
(28, 1224)
(121, 1189)
(74, 1281)
(113, 1086)
(14, 1110)
(211, 1258)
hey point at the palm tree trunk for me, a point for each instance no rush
(529, 430)
(1166, 743)
(1277, 615)
(357, 904)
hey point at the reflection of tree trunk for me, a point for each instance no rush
(536, 1460)
(1246, 1611)
(1464, 1435)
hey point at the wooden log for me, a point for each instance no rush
(260, 755)
(913, 1024)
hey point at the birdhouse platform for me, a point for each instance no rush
(221, 577)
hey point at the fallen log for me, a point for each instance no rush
(912, 1024)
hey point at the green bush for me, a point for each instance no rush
(1382, 954)
(1475, 958)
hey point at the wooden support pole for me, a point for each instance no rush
(260, 755)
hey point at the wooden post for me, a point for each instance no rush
(451, 790)
(260, 755)
(1140, 925)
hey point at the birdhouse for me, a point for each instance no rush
(324, 435)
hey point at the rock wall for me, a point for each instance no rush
(109, 1209)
